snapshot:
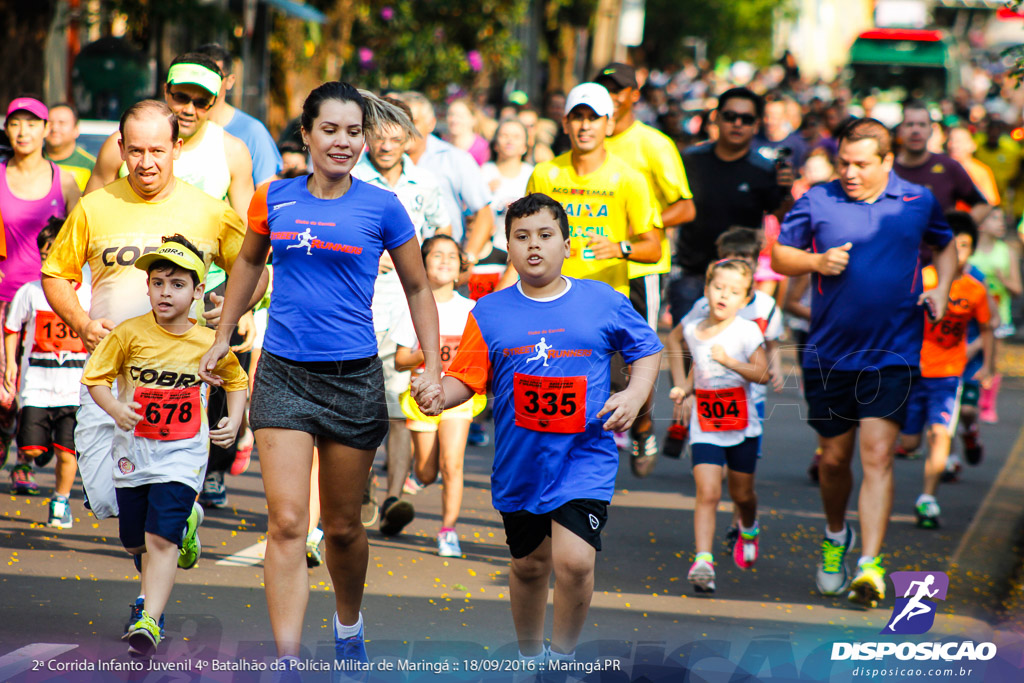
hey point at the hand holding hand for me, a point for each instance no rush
(428, 395)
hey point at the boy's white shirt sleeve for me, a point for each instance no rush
(20, 311)
(774, 329)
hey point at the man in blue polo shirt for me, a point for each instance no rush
(860, 238)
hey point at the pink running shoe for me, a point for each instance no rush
(242, 457)
(744, 553)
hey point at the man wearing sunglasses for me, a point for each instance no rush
(211, 159)
(732, 186)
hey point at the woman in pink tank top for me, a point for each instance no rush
(32, 190)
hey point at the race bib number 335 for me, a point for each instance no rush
(551, 404)
(168, 414)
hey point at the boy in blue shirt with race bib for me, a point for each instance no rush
(543, 349)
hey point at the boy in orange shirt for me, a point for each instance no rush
(935, 396)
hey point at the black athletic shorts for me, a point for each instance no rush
(47, 429)
(525, 531)
(838, 400)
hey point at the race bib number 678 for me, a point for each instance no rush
(168, 414)
(551, 404)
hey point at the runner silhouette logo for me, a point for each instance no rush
(914, 611)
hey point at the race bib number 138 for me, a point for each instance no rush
(56, 336)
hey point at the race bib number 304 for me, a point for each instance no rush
(168, 414)
(551, 404)
(722, 410)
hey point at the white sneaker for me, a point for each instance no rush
(702, 576)
(448, 544)
(833, 576)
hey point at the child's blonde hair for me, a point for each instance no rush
(738, 265)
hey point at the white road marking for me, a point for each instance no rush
(250, 557)
(24, 658)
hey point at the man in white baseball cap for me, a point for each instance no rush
(609, 204)
(611, 207)
(593, 95)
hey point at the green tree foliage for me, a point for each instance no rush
(425, 44)
(1017, 51)
(740, 29)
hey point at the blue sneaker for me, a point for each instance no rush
(352, 649)
(478, 436)
(287, 671)
(136, 614)
(214, 493)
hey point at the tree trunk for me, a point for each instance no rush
(562, 60)
(23, 25)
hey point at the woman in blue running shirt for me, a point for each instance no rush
(319, 381)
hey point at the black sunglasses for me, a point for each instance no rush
(734, 116)
(181, 98)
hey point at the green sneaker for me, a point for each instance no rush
(927, 514)
(143, 636)
(191, 548)
(868, 586)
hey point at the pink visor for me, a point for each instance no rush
(31, 105)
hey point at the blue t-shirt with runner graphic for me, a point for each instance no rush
(326, 256)
(547, 364)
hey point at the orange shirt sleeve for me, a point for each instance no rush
(472, 364)
(258, 210)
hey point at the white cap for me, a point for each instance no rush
(594, 95)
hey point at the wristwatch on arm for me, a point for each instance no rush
(626, 247)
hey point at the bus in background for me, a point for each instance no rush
(892, 65)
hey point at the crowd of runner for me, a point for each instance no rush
(506, 280)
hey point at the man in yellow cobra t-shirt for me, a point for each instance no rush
(612, 218)
(108, 231)
(611, 210)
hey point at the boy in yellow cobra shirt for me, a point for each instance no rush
(161, 444)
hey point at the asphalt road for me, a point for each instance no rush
(64, 594)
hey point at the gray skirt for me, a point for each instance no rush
(340, 400)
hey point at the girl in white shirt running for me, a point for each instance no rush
(439, 443)
(728, 356)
